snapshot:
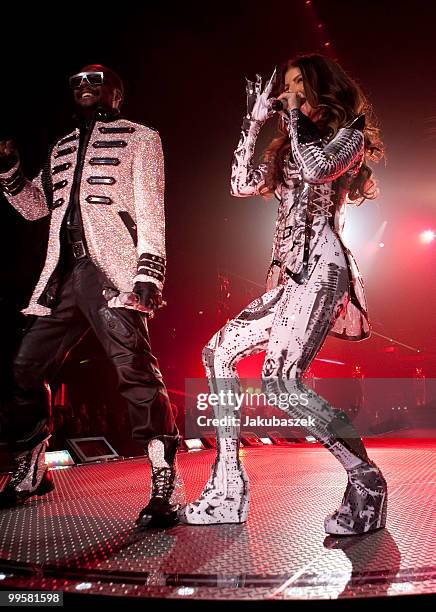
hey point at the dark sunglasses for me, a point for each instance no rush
(91, 78)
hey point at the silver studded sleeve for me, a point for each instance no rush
(247, 180)
(149, 185)
(27, 197)
(319, 162)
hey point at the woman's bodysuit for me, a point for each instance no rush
(313, 285)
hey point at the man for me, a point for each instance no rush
(103, 185)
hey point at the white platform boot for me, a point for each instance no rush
(226, 496)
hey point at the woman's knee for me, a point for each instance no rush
(217, 357)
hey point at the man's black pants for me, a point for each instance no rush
(80, 305)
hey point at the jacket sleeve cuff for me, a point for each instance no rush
(151, 268)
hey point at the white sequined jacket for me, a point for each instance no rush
(121, 202)
(312, 200)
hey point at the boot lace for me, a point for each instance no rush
(163, 482)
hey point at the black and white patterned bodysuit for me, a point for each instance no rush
(313, 289)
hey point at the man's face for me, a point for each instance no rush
(94, 89)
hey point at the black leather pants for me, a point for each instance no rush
(123, 333)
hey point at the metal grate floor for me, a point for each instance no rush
(81, 537)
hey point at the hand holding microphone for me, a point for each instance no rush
(287, 101)
(260, 107)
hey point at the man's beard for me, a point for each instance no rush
(87, 112)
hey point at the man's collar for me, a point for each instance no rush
(107, 114)
(100, 114)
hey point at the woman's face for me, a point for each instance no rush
(294, 83)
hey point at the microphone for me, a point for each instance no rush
(279, 105)
(282, 105)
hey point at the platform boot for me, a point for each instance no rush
(364, 505)
(30, 476)
(167, 492)
(226, 496)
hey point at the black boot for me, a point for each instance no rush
(30, 477)
(160, 510)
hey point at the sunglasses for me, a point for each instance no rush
(91, 78)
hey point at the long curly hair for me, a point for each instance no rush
(328, 88)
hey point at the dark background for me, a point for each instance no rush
(183, 66)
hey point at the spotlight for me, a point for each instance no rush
(266, 440)
(194, 444)
(185, 591)
(249, 438)
(381, 244)
(58, 459)
(427, 236)
(83, 586)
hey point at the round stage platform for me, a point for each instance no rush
(81, 538)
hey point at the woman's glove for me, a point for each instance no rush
(258, 106)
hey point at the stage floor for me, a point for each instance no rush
(81, 538)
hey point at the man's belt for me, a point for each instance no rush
(78, 249)
(76, 243)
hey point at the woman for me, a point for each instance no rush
(315, 167)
